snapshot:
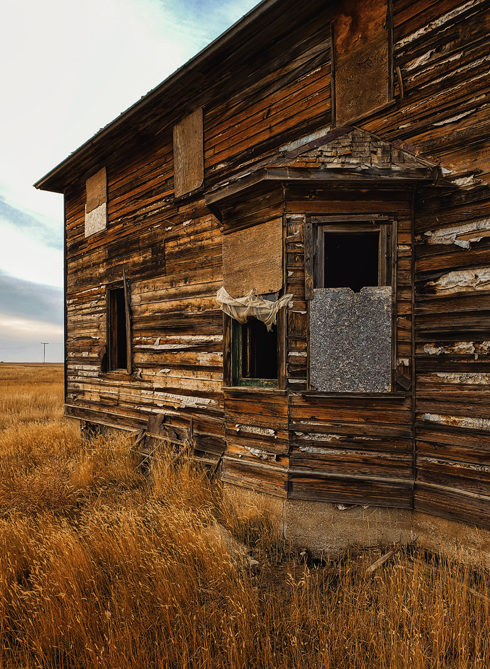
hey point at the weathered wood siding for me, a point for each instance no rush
(285, 94)
(346, 448)
(427, 447)
(442, 51)
(172, 258)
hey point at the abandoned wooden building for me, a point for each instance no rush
(285, 247)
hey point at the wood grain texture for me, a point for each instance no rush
(427, 444)
(96, 188)
(361, 49)
(189, 153)
(252, 259)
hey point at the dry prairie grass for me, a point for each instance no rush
(101, 568)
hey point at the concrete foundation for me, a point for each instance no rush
(328, 529)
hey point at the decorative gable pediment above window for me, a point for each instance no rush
(343, 156)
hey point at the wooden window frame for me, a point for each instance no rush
(315, 227)
(385, 250)
(232, 357)
(119, 285)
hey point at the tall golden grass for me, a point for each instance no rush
(101, 567)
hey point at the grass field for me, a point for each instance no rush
(100, 567)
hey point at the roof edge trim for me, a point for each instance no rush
(221, 41)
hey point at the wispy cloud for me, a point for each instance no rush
(34, 226)
(31, 301)
(72, 68)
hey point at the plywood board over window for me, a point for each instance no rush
(351, 310)
(361, 54)
(189, 154)
(96, 203)
(252, 259)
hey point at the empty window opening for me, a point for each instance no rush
(117, 329)
(351, 260)
(254, 355)
(259, 351)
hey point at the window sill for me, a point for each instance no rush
(253, 389)
(375, 396)
(119, 374)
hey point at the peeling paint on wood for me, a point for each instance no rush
(253, 429)
(438, 23)
(480, 379)
(462, 281)
(452, 463)
(458, 421)
(319, 437)
(258, 453)
(460, 235)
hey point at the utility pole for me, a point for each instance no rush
(45, 343)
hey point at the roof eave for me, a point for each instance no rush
(49, 181)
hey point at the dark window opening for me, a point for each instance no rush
(259, 351)
(254, 355)
(351, 260)
(117, 329)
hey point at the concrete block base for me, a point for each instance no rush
(328, 529)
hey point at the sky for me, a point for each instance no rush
(69, 68)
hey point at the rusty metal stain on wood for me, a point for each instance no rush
(252, 259)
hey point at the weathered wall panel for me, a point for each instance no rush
(188, 153)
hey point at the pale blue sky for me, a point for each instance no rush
(72, 67)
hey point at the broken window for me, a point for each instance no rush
(118, 328)
(96, 203)
(188, 153)
(351, 310)
(251, 324)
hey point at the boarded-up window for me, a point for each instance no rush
(188, 154)
(351, 310)
(96, 203)
(252, 259)
(361, 58)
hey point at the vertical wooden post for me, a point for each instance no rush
(308, 249)
(128, 324)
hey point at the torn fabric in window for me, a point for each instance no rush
(251, 306)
